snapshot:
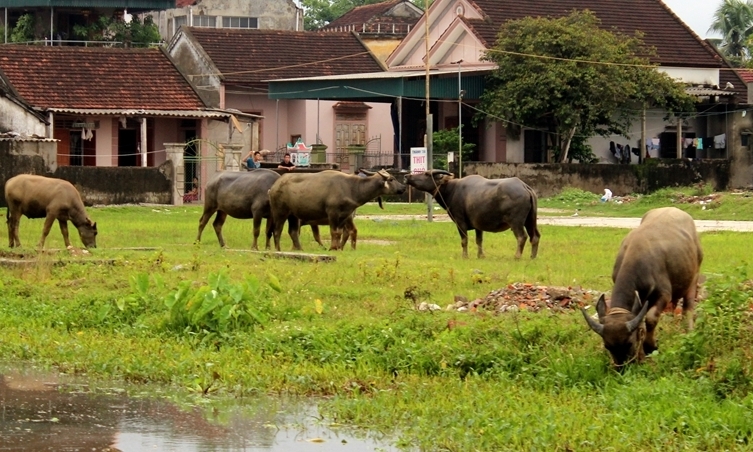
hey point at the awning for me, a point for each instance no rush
(381, 86)
(700, 91)
(127, 4)
(211, 114)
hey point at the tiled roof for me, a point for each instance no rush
(368, 14)
(675, 43)
(746, 75)
(80, 77)
(184, 3)
(254, 56)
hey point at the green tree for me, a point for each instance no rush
(570, 77)
(24, 29)
(444, 141)
(109, 29)
(321, 12)
(734, 21)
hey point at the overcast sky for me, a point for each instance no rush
(697, 14)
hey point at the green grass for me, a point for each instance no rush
(440, 381)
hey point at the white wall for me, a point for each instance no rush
(103, 145)
(14, 118)
(699, 76)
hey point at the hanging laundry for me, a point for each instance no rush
(720, 141)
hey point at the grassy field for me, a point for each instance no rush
(230, 323)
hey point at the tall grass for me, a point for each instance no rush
(442, 380)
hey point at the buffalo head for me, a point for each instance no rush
(391, 185)
(88, 233)
(429, 181)
(621, 329)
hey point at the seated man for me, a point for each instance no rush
(286, 163)
(253, 163)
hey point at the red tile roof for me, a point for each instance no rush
(251, 57)
(746, 75)
(96, 78)
(184, 3)
(675, 43)
(371, 14)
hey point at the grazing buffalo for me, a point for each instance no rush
(474, 202)
(241, 195)
(658, 263)
(327, 197)
(51, 199)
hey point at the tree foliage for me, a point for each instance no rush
(733, 19)
(569, 77)
(24, 31)
(112, 29)
(446, 140)
(321, 12)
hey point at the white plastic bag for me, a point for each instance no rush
(607, 195)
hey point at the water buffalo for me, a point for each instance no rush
(51, 199)
(474, 202)
(241, 195)
(327, 197)
(658, 263)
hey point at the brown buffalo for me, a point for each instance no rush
(658, 263)
(51, 199)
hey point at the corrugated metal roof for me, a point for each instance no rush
(165, 113)
(381, 85)
(701, 91)
(34, 139)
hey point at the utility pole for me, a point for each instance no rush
(429, 121)
(460, 119)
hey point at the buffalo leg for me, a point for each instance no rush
(317, 235)
(534, 236)
(480, 243)
(64, 231)
(463, 241)
(46, 230)
(294, 229)
(652, 319)
(257, 231)
(688, 303)
(520, 235)
(219, 220)
(351, 232)
(270, 230)
(277, 223)
(13, 224)
(336, 234)
(203, 222)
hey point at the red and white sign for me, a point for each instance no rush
(418, 160)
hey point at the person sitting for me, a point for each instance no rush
(192, 195)
(286, 164)
(254, 162)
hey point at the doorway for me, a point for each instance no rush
(128, 147)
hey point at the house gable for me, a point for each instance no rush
(396, 13)
(196, 65)
(676, 44)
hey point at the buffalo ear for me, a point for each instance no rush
(601, 307)
(94, 226)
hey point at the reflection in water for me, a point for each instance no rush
(43, 413)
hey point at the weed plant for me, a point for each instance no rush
(231, 323)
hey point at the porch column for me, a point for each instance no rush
(5, 25)
(234, 151)
(643, 136)
(143, 142)
(679, 138)
(174, 153)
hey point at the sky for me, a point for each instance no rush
(697, 14)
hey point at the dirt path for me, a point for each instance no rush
(596, 222)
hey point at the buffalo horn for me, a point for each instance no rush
(368, 173)
(596, 326)
(633, 324)
(442, 172)
(379, 200)
(384, 173)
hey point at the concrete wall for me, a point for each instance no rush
(549, 179)
(14, 118)
(271, 14)
(97, 185)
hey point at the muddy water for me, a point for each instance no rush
(43, 412)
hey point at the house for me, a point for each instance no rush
(257, 14)
(65, 15)
(461, 31)
(116, 107)
(232, 68)
(381, 26)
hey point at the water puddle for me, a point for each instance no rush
(43, 412)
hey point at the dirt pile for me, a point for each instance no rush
(529, 297)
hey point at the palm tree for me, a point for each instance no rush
(734, 20)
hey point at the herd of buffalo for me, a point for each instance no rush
(657, 265)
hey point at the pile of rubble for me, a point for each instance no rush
(529, 297)
(682, 198)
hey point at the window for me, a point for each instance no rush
(180, 20)
(240, 22)
(205, 21)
